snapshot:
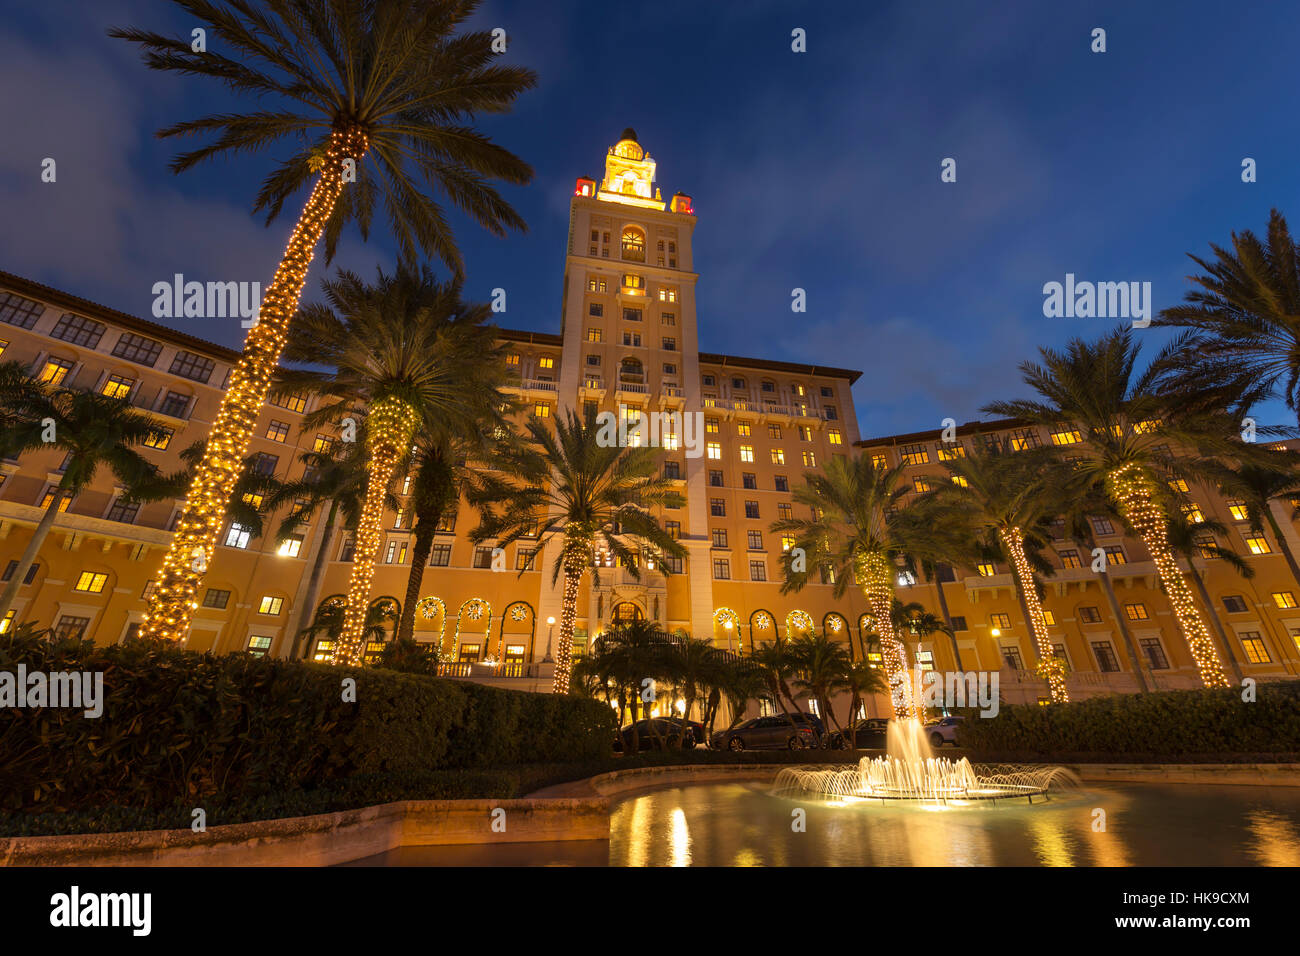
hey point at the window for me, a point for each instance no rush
(1066, 435)
(879, 462)
(751, 509)
(440, 556)
(673, 470)
(831, 414)
(1022, 438)
(719, 536)
(757, 571)
(258, 645)
(1284, 599)
(778, 456)
(1256, 650)
(743, 429)
(914, 454)
(1234, 603)
(482, 557)
(714, 450)
(150, 587)
(670, 345)
(959, 623)
(542, 410)
(674, 529)
(1102, 526)
(54, 371)
(117, 386)
(985, 569)
(1155, 654)
(668, 318)
(12, 566)
(49, 496)
(1012, 656)
(270, 605)
(784, 510)
(1237, 508)
(1049, 618)
(513, 360)
(922, 484)
(174, 405)
(16, 310)
(1257, 543)
(782, 483)
(1089, 614)
(1070, 559)
(546, 363)
(78, 330)
(192, 366)
(755, 539)
(787, 542)
(1115, 556)
(71, 628)
(834, 437)
(1192, 512)
(1000, 621)
(237, 536)
(667, 293)
(593, 360)
(595, 335)
(1107, 662)
(632, 339)
(1178, 485)
(217, 598)
(670, 368)
(291, 546)
(597, 285)
(631, 315)
(524, 559)
(123, 511)
(263, 464)
(92, 582)
(348, 549)
(671, 564)
(597, 310)
(633, 245)
(747, 453)
(277, 431)
(1136, 611)
(717, 508)
(774, 431)
(722, 569)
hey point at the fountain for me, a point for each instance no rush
(910, 772)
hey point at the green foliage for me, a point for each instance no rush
(1168, 723)
(177, 725)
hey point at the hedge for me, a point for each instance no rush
(1169, 723)
(178, 726)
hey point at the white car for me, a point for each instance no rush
(943, 731)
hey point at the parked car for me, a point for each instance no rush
(663, 733)
(943, 731)
(695, 732)
(768, 733)
(870, 734)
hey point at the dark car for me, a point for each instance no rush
(695, 732)
(870, 734)
(653, 734)
(769, 733)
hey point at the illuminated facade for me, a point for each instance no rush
(628, 344)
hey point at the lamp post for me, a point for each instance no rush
(727, 626)
(550, 630)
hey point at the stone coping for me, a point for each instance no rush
(572, 811)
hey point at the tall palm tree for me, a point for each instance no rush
(854, 534)
(821, 668)
(1258, 484)
(861, 681)
(741, 681)
(1246, 312)
(565, 486)
(778, 662)
(94, 431)
(1004, 499)
(378, 95)
(404, 352)
(935, 548)
(333, 480)
(1191, 540)
(1126, 423)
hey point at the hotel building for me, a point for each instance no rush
(628, 344)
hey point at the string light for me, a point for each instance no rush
(573, 569)
(473, 610)
(876, 576)
(1050, 668)
(724, 616)
(1133, 492)
(390, 426)
(798, 622)
(432, 607)
(175, 599)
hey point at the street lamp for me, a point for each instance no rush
(550, 625)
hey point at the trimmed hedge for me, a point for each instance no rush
(179, 725)
(1172, 723)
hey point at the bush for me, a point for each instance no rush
(1166, 723)
(178, 726)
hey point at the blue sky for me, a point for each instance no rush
(817, 170)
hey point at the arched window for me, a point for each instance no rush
(633, 244)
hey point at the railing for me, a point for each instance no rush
(633, 388)
(538, 385)
(673, 391)
(591, 382)
(454, 669)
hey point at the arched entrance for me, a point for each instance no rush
(625, 612)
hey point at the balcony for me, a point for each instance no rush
(534, 388)
(593, 387)
(632, 391)
(782, 414)
(672, 396)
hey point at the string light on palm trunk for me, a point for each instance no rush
(568, 617)
(1050, 668)
(1133, 492)
(391, 423)
(194, 542)
(877, 579)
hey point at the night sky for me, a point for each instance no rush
(818, 170)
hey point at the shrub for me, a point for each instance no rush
(1168, 723)
(178, 725)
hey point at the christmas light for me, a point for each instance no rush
(190, 553)
(876, 576)
(573, 570)
(1050, 668)
(473, 610)
(432, 607)
(725, 616)
(1133, 492)
(390, 425)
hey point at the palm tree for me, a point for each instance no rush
(378, 95)
(1200, 539)
(1003, 500)
(334, 480)
(404, 352)
(854, 534)
(861, 681)
(1246, 313)
(821, 668)
(1257, 484)
(1125, 423)
(741, 681)
(94, 431)
(330, 617)
(694, 662)
(587, 496)
(638, 658)
(779, 662)
(934, 548)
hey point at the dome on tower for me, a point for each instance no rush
(628, 133)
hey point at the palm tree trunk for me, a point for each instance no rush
(302, 619)
(947, 619)
(1125, 634)
(172, 607)
(1131, 490)
(29, 555)
(877, 582)
(1049, 667)
(421, 548)
(572, 572)
(1216, 621)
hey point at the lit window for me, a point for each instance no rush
(633, 283)
(546, 363)
(746, 452)
(237, 536)
(833, 436)
(914, 454)
(1000, 621)
(270, 605)
(667, 294)
(1115, 555)
(1178, 485)
(1022, 438)
(986, 570)
(960, 481)
(594, 335)
(1136, 611)
(91, 582)
(1284, 599)
(54, 371)
(1193, 513)
(277, 431)
(1049, 618)
(1256, 651)
(922, 484)
(774, 431)
(805, 433)
(1237, 508)
(542, 410)
(49, 496)
(1258, 544)
(810, 459)
(159, 438)
(513, 359)
(879, 462)
(1070, 559)
(1066, 436)
(714, 449)
(778, 456)
(743, 430)
(323, 445)
(294, 403)
(290, 547)
(117, 386)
